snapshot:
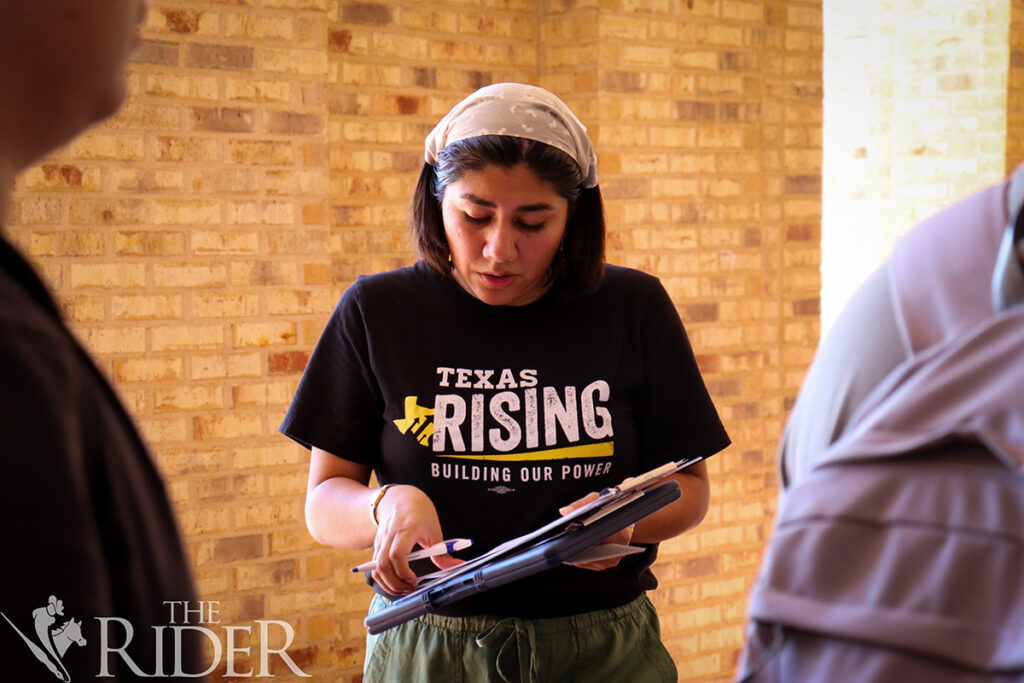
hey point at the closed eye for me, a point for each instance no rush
(521, 224)
(476, 220)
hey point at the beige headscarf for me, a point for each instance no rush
(516, 110)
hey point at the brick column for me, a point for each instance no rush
(1015, 90)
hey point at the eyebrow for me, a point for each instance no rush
(539, 206)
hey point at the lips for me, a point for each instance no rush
(497, 280)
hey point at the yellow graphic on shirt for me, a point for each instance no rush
(593, 450)
(416, 421)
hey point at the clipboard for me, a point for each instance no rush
(548, 547)
(607, 501)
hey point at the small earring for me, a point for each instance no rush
(449, 257)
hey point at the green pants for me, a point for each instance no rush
(622, 644)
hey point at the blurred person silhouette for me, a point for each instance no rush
(88, 531)
(898, 552)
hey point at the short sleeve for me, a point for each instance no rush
(337, 406)
(677, 418)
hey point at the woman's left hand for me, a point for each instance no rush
(622, 537)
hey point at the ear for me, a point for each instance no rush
(1008, 276)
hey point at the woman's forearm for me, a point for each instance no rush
(681, 515)
(338, 513)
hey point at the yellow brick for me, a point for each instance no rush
(108, 212)
(225, 242)
(623, 28)
(246, 26)
(398, 46)
(187, 337)
(187, 275)
(261, 213)
(288, 483)
(265, 273)
(99, 145)
(418, 19)
(263, 394)
(228, 426)
(145, 180)
(265, 574)
(38, 210)
(149, 369)
(301, 62)
(256, 90)
(220, 366)
(190, 87)
(302, 602)
(724, 587)
(269, 513)
(149, 242)
(209, 305)
(81, 309)
(165, 431)
(291, 541)
(66, 243)
(63, 177)
(471, 23)
(174, 148)
(205, 520)
(286, 302)
(152, 117)
(141, 306)
(262, 334)
(188, 398)
(319, 6)
(261, 152)
(107, 275)
(185, 212)
(268, 456)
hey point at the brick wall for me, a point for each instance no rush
(918, 115)
(1015, 89)
(198, 241)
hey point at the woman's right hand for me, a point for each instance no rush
(406, 517)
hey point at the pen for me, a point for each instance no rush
(436, 549)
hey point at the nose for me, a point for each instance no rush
(501, 242)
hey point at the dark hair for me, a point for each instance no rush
(581, 264)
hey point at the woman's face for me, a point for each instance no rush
(504, 227)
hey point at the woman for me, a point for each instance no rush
(505, 374)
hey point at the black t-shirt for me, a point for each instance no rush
(85, 515)
(504, 414)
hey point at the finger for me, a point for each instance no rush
(622, 537)
(598, 565)
(589, 498)
(391, 580)
(388, 584)
(387, 572)
(384, 574)
(400, 568)
(446, 561)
